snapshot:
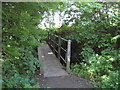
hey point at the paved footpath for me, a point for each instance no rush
(70, 81)
(53, 75)
(51, 65)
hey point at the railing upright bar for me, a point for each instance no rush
(68, 55)
(54, 44)
(49, 38)
(59, 48)
(52, 38)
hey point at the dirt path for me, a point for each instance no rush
(70, 81)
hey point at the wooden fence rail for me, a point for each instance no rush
(52, 42)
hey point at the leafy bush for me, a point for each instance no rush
(93, 30)
(29, 86)
(103, 69)
(17, 75)
(21, 36)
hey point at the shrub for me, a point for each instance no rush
(103, 69)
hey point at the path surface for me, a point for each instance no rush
(53, 75)
(70, 81)
(51, 65)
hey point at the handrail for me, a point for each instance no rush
(52, 42)
(58, 37)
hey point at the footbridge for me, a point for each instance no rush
(51, 55)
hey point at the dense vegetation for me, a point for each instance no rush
(21, 36)
(94, 33)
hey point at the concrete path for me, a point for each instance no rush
(52, 75)
(51, 65)
(70, 81)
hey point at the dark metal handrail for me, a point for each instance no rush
(52, 42)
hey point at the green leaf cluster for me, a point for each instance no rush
(103, 69)
(93, 26)
(21, 37)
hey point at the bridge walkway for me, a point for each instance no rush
(51, 66)
(53, 75)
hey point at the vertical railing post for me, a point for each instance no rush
(68, 55)
(49, 38)
(59, 48)
(54, 44)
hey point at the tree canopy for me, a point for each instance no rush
(93, 27)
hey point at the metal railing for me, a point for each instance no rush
(53, 43)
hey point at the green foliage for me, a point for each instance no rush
(21, 36)
(17, 73)
(115, 38)
(93, 26)
(102, 69)
(29, 86)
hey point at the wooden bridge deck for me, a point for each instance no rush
(51, 65)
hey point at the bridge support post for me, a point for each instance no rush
(54, 45)
(68, 56)
(59, 48)
(49, 38)
(48, 35)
